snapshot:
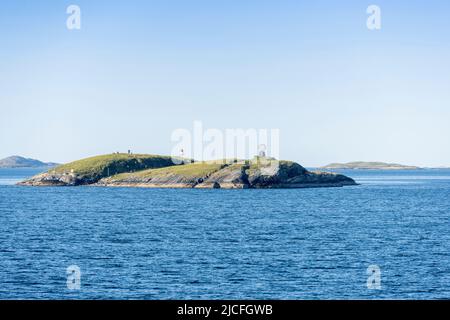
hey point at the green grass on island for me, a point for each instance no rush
(192, 170)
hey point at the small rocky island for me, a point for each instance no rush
(154, 171)
(361, 165)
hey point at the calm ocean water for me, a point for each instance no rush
(228, 244)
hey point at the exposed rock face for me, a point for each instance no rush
(49, 179)
(232, 176)
(256, 173)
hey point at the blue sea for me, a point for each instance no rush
(228, 244)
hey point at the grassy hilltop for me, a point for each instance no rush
(91, 170)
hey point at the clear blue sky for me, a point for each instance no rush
(139, 69)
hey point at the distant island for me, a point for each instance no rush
(21, 162)
(369, 166)
(155, 171)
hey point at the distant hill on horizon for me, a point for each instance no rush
(370, 166)
(21, 162)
